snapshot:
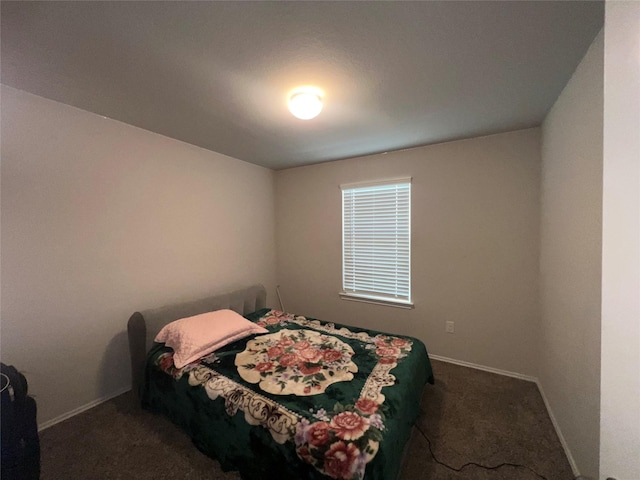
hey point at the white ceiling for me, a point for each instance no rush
(217, 74)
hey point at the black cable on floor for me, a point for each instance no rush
(468, 464)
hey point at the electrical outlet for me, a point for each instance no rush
(448, 327)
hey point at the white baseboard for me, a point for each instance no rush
(81, 409)
(563, 442)
(507, 373)
(528, 378)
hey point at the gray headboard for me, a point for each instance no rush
(143, 326)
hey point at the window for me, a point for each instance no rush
(376, 242)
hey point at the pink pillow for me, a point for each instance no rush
(197, 336)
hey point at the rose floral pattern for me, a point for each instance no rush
(342, 442)
(300, 362)
(165, 362)
(387, 349)
(304, 362)
(274, 318)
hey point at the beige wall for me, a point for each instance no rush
(620, 393)
(475, 234)
(99, 219)
(570, 259)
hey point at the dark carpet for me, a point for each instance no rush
(468, 416)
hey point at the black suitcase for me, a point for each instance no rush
(20, 441)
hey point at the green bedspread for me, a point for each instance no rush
(308, 400)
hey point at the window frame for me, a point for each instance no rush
(379, 298)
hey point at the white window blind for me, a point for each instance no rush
(376, 241)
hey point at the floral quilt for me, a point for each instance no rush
(337, 402)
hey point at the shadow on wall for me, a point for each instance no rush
(115, 374)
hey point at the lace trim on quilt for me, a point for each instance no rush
(258, 410)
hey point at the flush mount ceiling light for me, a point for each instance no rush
(305, 103)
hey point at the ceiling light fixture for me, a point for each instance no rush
(305, 103)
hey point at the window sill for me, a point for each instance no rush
(376, 300)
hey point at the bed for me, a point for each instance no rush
(305, 399)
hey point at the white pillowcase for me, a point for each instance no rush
(197, 336)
